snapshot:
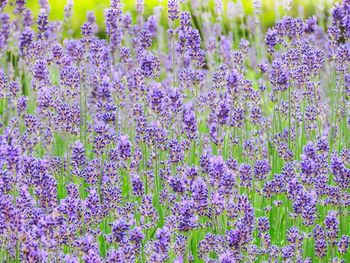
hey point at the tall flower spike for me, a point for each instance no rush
(173, 9)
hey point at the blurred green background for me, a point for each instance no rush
(269, 10)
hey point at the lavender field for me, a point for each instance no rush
(185, 140)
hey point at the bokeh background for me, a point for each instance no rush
(271, 9)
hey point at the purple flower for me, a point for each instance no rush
(343, 244)
(119, 231)
(332, 226)
(261, 169)
(40, 72)
(173, 9)
(124, 146)
(246, 175)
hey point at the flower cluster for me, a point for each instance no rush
(174, 141)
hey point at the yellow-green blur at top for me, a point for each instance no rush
(271, 9)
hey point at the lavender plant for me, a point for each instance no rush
(175, 142)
